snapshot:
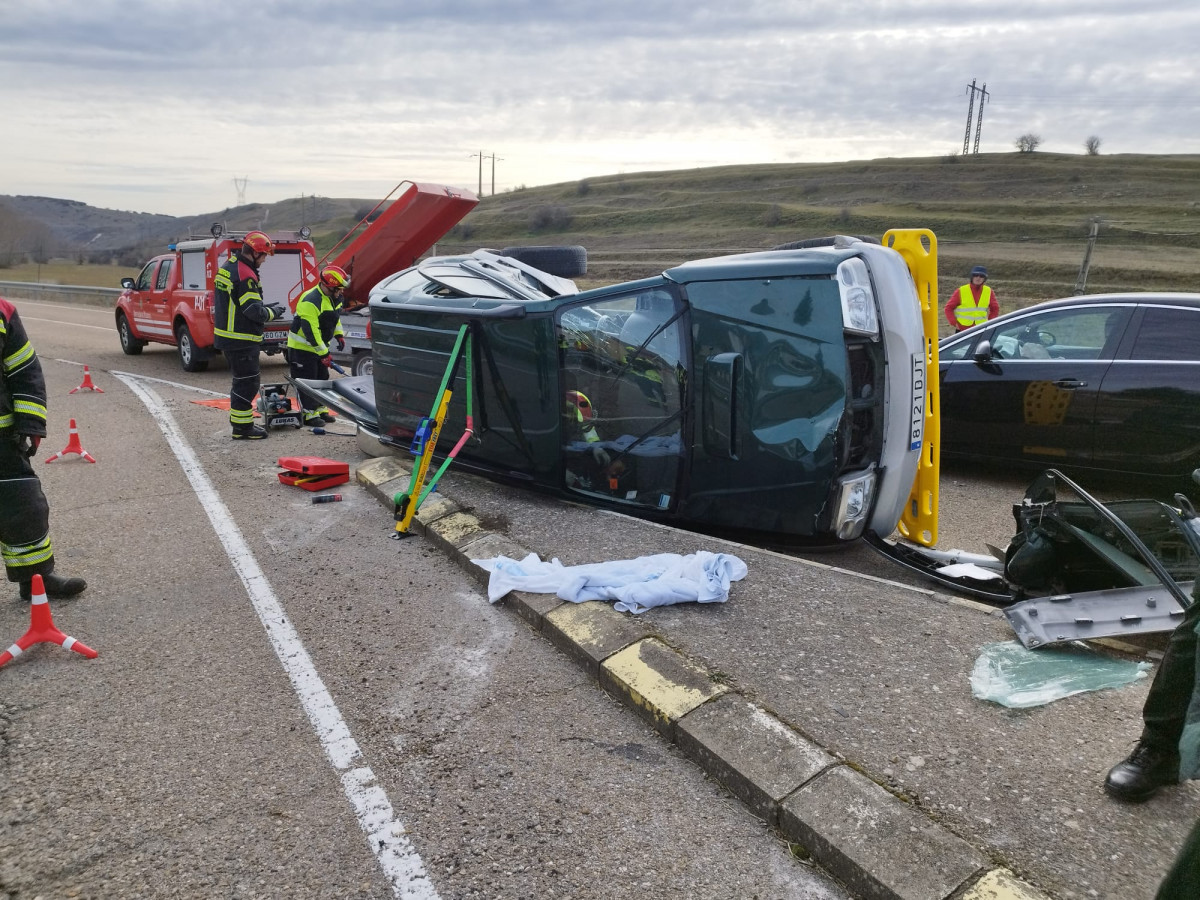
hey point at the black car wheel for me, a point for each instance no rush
(362, 363)
(190, 358)
(129, 344)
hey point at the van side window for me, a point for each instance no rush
(1170, 334)
(623, 376)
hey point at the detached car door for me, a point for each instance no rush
(1148, 414)
(1033, 398)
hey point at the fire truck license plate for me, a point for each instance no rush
(275, 335)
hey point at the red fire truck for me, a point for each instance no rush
(171, 300)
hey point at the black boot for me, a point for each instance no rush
(56, 586)
(249, 432)
(1139, 777)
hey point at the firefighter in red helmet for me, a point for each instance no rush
(238, 321)
(316, 326)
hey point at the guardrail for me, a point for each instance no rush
(71, 293)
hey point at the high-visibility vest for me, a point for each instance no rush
(970, 312)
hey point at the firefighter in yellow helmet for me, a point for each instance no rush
(317, 325)
(238, 319)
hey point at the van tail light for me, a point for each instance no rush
(368, 329)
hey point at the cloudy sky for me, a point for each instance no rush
(158, 107)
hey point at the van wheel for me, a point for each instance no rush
(190, 357)
(362, 363)
(129, 344)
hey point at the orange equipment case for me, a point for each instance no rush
(313, 473)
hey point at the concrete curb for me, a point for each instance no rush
(878, 844)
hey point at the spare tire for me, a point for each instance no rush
(566, 261)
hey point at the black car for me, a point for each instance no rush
(1097, 382)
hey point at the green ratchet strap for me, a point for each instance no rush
(430, 429)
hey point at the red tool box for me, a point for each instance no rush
(313, 473)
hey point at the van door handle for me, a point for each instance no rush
(1070, 384)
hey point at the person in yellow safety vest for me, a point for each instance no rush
(580, 414)
(972, 304)
(317, 325)
(238, 317)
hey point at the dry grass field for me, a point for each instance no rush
(1026, 217)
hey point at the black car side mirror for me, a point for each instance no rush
(983, 352)
(127, 283)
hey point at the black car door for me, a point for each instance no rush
(1148, 411)
(1034, 398)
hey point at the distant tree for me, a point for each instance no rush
(583, 188)
(773, 216)
(1028, 142)
(1092, 146)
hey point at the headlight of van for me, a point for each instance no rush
(852, 506)
(859, 314)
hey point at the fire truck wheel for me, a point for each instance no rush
(129, 344)
(189, 356)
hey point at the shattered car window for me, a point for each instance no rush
(623, 376)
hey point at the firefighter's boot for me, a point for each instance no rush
(1138, 778)
(57, 586)
(250, 432)
(311, 419)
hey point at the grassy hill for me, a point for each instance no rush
(1025, 216)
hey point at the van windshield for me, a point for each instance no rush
(622, 374)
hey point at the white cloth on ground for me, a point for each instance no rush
(635, 584)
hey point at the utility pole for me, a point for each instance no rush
(481, 159)
(493, 158)
(240, 184)
(1081, 281)
(983, 95)
(970, 115)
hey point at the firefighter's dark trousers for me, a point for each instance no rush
(1165, 710)
(302, 364)
(243, 363)
(24, 515)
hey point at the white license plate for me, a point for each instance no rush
(275, 335)
(918, 402)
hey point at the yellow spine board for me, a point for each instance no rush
(919, 522)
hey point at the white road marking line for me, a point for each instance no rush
(74, 324)
(174, 384)
(401, 863)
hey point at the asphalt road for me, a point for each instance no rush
(288, 703)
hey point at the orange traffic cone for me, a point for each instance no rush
(73, 446)
(42, 630)
(87, 383)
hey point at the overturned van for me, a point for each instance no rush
(781, 391)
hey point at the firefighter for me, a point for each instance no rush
(24, 512)
(972, 304)
(316, 325)
(238, 327)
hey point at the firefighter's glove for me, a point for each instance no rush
(341, 341)
(277, 311)
(27, 444)
(327, 360)
(600, 455)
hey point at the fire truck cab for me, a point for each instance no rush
(172, 299)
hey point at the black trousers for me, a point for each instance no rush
(1171, 691)
(302, 364)
(243, 363)
(24, 515)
